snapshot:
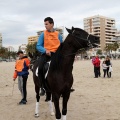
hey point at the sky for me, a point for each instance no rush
(20, 19)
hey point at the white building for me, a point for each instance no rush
(23, 48)
(10, 49)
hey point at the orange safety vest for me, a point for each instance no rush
(51, 41)
(19, 66)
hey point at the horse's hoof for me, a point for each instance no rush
(42, 92)
(36, 115)
(52, 113)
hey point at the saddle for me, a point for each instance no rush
(43, 81)
(45, 69)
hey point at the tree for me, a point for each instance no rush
(2, 51)
(115, 47)
(99, 52)
(109, 48)
(31, 48)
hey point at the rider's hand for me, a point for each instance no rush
(14, 79)
(48, 53)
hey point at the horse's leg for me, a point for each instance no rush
(48, 95)
(66, 96)
(37, 102)
(57, 108)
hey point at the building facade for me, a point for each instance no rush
(0, 40)
(117, 37)
(101, 26)
(10, 49)
(23, 48)
(32, 39)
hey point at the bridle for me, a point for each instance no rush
(87, 39)
(79, 44)
(32, 64)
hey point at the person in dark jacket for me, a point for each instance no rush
(108, 63)
(21, 71)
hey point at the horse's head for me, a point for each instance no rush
(83, 39)
(33, 58)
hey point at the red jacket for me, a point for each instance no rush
(96, 62)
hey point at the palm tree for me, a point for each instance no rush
(115, 47)
(109, 48)
(3, 52)
(32, 49)
(99, 52)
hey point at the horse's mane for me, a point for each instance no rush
(57, 58)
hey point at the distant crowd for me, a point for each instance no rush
(106, 66)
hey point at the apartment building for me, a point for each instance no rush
(117, 37)
(0, 40)
(101, 26)
(10, 49)
(32, 39)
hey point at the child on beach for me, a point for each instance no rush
(21, 71)
(110, 70)
(104, 67)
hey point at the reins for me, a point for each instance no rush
(89, 43)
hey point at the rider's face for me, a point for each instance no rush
(48, 26)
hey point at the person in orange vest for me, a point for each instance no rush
(48, 43)
(21, 71)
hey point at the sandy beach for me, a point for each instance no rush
(93, 98)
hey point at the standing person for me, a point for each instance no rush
(108, 63)
(93, 59)
(96, 64)
(48, 43)
(110, 70)
(21, 70)
(104, 67)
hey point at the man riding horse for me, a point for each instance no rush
(48, 43)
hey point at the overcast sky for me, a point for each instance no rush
(20, 19)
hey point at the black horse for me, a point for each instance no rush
(60, 78)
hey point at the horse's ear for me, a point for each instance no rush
(30, 55)
(69, 30)
(72, 28)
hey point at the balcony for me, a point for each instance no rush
(95, 19)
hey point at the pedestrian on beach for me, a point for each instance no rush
(93, 59)
(96, 63)
(109, 68)
(21, 71)
(104, 67)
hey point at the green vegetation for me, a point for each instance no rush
(5, 54)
